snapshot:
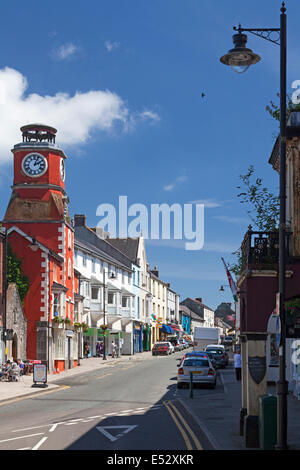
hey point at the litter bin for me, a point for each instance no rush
(267, 421)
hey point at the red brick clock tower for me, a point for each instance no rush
(40, 233)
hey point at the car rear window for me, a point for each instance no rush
(196, 363)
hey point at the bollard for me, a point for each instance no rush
(191, 385)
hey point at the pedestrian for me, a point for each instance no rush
(101, 349)
(98, 349)
(86, 350)
(238, 364)
(121, 346)
(113, 349)
(21, 365)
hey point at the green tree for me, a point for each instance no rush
(15, 274)
(264, 211)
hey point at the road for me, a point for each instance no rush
(125, 406)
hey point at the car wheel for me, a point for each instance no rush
(179, 385)
(212, 386)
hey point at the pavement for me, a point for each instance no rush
(220, 422)
(11, 391)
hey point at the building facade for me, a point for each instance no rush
(107, 283)
(40, 234)
(159, 306)
(135, 250)
(2, 294)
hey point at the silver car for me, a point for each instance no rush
(202, 370)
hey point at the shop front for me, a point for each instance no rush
(165, 330)
(137, 337)
(146, 337)
(89, 342)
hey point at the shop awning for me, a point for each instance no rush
(175, 327)
(167, 329)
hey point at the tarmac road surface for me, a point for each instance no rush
(126, 406)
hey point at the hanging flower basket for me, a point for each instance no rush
(57, 321)
(68, 321)
(84, 327)
(292, 311)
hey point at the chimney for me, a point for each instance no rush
(79, 220)
(155, 271)
(199, 299)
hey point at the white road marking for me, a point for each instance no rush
(34, 427)
(112, 438)
(21, 437)
(41, 442)
(53, 427)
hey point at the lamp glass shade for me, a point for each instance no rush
(240, 57)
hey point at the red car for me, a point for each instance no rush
(161, 348)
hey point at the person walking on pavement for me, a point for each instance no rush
(238, 364)
(113, 349)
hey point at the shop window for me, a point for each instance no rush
(111, 298)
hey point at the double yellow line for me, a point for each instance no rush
(187, 433)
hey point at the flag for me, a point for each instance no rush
(231, 282)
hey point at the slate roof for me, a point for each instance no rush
(196, 306)
(127, 246)
(87, 239)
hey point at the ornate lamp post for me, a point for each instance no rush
(240, 58)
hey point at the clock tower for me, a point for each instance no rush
(38, 193)
(41, 235)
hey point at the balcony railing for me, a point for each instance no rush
(261, 248)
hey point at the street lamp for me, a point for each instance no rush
(242, 57)
(104, 328)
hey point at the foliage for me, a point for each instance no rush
(237, 267)
(265, 206)
(274, 110)
(15, 273)
(57, 319)
(292, 305)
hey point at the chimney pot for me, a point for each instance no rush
(79, 220)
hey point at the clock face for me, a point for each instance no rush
(34, 164)
(62, 170)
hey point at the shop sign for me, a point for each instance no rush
(39, 373)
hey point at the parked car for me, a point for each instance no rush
(194, 354)
(228, 340)
(177, 345)
(164, 348)
(184, 343)
(202, 370)
(214, 359)
(220, 353)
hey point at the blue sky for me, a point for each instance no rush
(122, 82)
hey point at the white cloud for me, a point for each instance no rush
(149, 115)
(112, 45)
(75, 116)
(171, 186)
(208, 203)
(65, 51)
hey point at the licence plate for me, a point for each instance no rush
(197, 372)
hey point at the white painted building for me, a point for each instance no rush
(102, 272)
